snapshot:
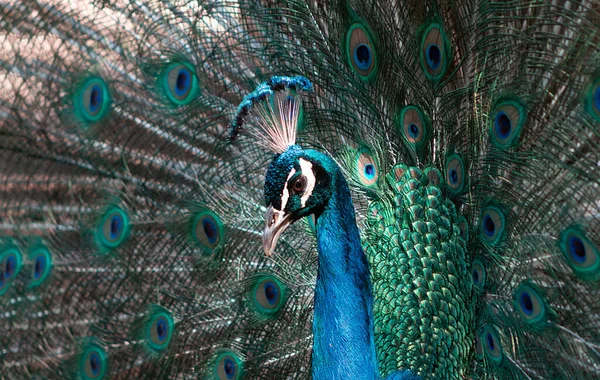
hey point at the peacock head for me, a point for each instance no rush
(298, 183)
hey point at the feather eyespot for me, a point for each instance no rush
(478, 274)
(361, 51)
(592, 100)
(12, 264)
(581, 254)
(10, 261)
(508, 119)
(228, 366)
(207, 231)
(42, 265)
(491, 344)
(529, 304)
(414, 127)
(434, 51)
(268, 295)
(113, 229)
(92, 100)
(180, 83)
(312, 223)
(455, 174)
(159, 328)
(492, 225)
(93, 362)
(366, 169)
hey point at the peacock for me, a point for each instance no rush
(290, 189)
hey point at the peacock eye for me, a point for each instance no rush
(299, 185)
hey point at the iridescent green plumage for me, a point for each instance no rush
(468, 132)
(419, 263)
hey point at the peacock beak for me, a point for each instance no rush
(276, 222)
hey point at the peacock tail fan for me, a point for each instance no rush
(131, 224)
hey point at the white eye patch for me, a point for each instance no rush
(306, 168)
(286, 193)
(311, 180)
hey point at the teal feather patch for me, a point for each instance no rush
(312, 224)
(301, 124)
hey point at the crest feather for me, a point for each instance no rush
(275, 107)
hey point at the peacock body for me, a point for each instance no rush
(436, 172)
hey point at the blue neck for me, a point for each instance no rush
(343, 345)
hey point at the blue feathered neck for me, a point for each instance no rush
(343, 345)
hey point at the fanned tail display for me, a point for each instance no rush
(455, 143)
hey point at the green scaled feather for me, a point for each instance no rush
(426, 256)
